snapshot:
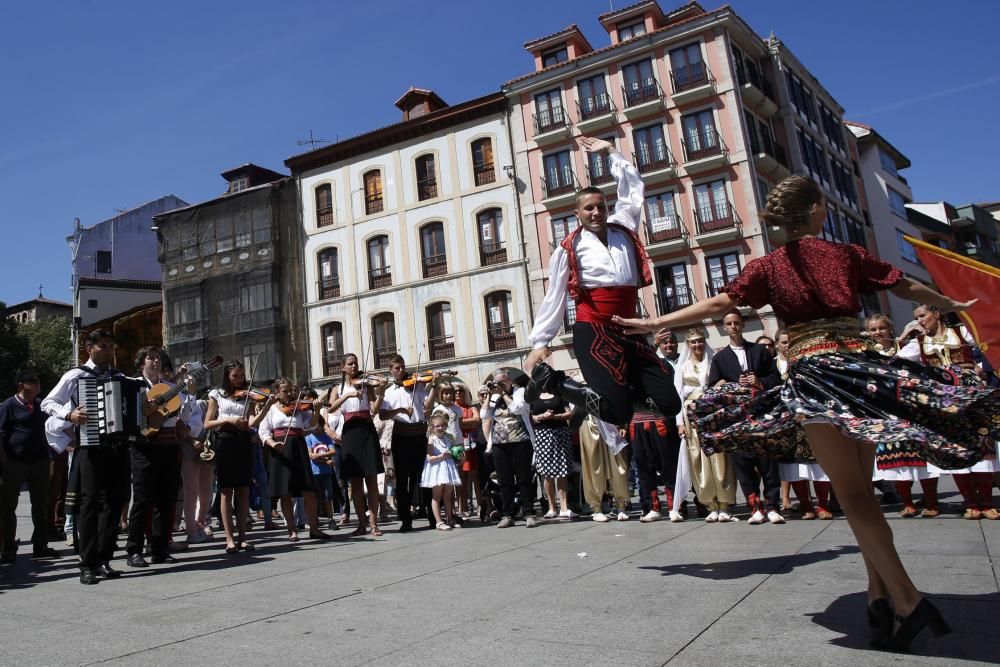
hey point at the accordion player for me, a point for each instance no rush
(118, 405)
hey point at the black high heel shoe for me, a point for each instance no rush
(880, 618)
(923, 615)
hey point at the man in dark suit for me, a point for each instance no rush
(750, 365)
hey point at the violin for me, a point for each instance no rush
(293, 407)
(367, 380)
(423, 378)
(259, 394)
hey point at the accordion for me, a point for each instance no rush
(114, 409)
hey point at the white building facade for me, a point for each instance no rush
(413, 244)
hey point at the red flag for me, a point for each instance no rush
(964, 279)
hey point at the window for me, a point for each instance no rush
(569, 315)
(832, 229)
(239, 184)
(630, 30)
(661, 216)
(491, 240)
(700, 138)
(651, 148)
(674, 290)
(763, 190)
(264, 358)
(384, 335)
(332, 337)
(329, 273)
(244, 232)
(183, 311)
(888, 163)
(324, 205)
(224, 234)
(373, 192)
(560, 54)
(103, 261)
(256, 297)
(261, 225)
(379, 271)
(801, 96)
(206, 238)
(897, 203)
(482, 162)
(549, 111)
(432, 248)
(722, 269)
(687, 70)
(712, 206)
(558, 174)
(593, 95)
(189, 241)
(563, 227)
(640, 86)
(91, 303)
(499, 330)
(426, 178)
(441, 342)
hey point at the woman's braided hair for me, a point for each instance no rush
(789, 202)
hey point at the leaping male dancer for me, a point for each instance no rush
(602, 264)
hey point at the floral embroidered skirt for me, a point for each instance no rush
(908, 410)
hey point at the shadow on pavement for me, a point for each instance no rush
(746, 567)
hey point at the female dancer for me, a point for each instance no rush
(714, 477)
(841, 395)
(898, 466)
(361, 455)
(289, 473)
(940, 345)
(231, 418)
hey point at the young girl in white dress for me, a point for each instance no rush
(440, 473)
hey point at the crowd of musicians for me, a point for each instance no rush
(426, 445)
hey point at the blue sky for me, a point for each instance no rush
(108, 104)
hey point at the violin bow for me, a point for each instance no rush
(253, 374)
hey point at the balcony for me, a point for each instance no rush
(379, 278)
(652, 161)
(441, 348)
(704, 151)
(501, 338)
(692, 82)
(642, 99)
(324, 216)
(427, 188)
(492, 253)
(595, 113)
(484, 173)
(665, 233)
(673, 298)
(257, 319)
(551, 126)
(332, 366)
(756, 90)
(717, 223)
(383, 355)
(769, 156)
(197, 330)
(328, 288)
(559, 190)
(373, 204)
(599, 173)
(436, 265)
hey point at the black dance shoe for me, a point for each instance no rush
(880, 618)
(585, 401)
(105, 570)
(544, 380)
(88, 576)
(923, 615)
(136, 560)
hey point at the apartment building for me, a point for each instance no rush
(412, 242)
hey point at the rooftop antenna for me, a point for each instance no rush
(312, 141)
(40, 291)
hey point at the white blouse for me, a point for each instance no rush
(276, 419)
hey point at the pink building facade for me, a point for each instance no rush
(687, 97)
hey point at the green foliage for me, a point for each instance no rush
(43, 345)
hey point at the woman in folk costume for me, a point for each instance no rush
(940, 345)
(713, 476)
(844, 397)
(902, 467)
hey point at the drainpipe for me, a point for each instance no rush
(517, 204)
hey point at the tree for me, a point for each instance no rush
(49, 349)
(13, 352)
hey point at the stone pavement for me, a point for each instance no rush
(576, 593)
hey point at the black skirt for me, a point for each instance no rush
(290, 472)
(233, 459)
(361, 454)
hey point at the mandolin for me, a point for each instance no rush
(167, 398)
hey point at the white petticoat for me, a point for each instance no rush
(909, 473)
(440, 472)
(797, 472)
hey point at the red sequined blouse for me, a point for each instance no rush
(810, 279)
